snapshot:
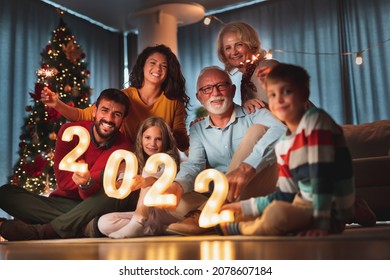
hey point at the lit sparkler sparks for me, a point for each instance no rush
(47, 73)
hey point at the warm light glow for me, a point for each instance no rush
(254, 58)
(210, 215)
(207, 20)
(217, 250)
(359, 58)
(69, 161)
(111, 171)
(155, 196)
(268, 55)
(47, 73)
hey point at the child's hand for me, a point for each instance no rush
(138, 182)
(235, 206)
(141, 182)
(176, 189)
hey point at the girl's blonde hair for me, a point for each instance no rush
(169, 143)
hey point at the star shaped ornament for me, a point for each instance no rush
(72, 52)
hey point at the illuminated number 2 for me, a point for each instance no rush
(155, 196)
(68, 162)
(210, 215)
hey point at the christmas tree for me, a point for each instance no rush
(63, 70)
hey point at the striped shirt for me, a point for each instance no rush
(315, 162)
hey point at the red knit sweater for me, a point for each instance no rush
(96, 158)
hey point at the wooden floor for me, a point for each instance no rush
(356, 243)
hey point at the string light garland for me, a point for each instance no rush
(359, 58)
(359, 54)
(207, 20)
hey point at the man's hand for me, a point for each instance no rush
(196, 120)
(81, 178)
(238, 179)
(49, 97)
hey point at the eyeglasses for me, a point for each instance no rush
(207, 90)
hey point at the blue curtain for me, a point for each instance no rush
(323, 37)
(315, 34)
(25, 28)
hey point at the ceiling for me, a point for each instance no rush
(116, 14)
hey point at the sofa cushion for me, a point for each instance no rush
(368, 139)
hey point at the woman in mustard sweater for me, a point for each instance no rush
(157, 89)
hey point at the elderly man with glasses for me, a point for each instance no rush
(230, 140)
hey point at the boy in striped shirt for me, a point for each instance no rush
(315, 192)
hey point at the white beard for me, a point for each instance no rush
(218, 109)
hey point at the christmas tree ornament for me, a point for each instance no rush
(72, 52)
(67, 88)
(53, 136)
(75, 92)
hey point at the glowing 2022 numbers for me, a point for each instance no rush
(155, 196)
(69, 161)
(111, 171)
(210, 215)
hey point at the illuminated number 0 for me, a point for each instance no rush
(111, 171)
(155, 196)
(210, 215)
(68, 162)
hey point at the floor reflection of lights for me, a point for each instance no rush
(158, 251)
(217, 250)
(205, 250)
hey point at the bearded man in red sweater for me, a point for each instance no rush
(79, 196)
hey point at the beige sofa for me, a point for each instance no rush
(369, 145)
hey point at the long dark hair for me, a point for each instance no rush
(174, 85)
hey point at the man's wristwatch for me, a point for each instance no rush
(87, 185)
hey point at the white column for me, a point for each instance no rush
(158, 25)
